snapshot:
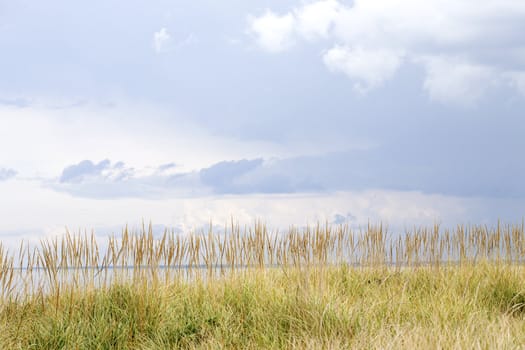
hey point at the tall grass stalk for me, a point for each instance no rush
(318, 286)
(75, 261)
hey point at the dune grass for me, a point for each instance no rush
(320, 287)
(470, 306)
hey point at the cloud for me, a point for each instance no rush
(370, 39)
(6, 174)
(395, 208)
(107, 180)
(395, 168)
(456, 168)
(315, 20)
(167, 167)
(161, 40)
(369, 68)
(87, 171)
(15, 102)
(452, 80)
(272, 32)
(77, 172)
(517, 80)
(222, 176)
(340, 219)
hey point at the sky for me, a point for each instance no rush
(113, 112)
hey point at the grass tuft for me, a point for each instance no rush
(321, 287)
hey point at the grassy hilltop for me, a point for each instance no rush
(321, 287)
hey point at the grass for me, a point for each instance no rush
(321, 287)
(472, 306)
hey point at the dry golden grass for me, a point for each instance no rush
(318, 287)
(457, 307)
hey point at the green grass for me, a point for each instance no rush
(469, 306)
(251, 288)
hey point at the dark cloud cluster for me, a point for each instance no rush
(224, 177)
(107, 180)
(78, 173)
(456, 171)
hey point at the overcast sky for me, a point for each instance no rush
(292, 111)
